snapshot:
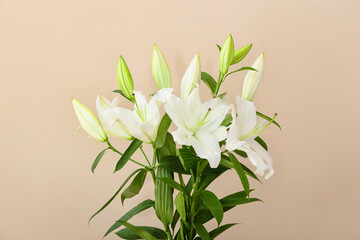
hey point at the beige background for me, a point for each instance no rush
(51, 51)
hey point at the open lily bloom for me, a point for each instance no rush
(242, 133)
(143, 122)
(108, 120)
(199, 124)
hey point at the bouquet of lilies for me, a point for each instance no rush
(210, 138)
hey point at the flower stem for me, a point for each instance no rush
(132, 160)
(142, 150)
(218, 84)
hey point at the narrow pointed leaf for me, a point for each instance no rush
(174, 185)
(268, 118)
(116, 193)
(241, 69)
(180, 205)
(213, 204)
(217, 231)
(173, 164)
(201, 230)
(225, 160)
(134, 145)
(134, 211)
(128, 234)
(209, 81)
(227, 120)
(134, 188)
(175, 219)
(188, 158)
(97, 159)
(232, 202)
(122, 94)
(140, 232)
(241, 173)
(163, 128)
(219, 47)
(261, 142)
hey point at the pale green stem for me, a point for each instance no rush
(115, 150)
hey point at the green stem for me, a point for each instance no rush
(218, 84)
(142, 150)
(168, 233)
(115, 150)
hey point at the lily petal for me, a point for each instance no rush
(206, 146)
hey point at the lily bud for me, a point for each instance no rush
(89, 122)
(160, 69)
(253, 79)
(226, 55)
(124, 78)
(191, 78)
(241, 53)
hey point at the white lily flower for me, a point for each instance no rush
(191, 78)
(243, 130)
(88, 121)
(252, 79)
(143, 122)
(199, 124)
(109, 121)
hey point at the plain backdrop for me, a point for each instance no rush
(52, 50)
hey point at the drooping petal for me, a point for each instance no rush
(206, 146)
(232, 141)
(259, 157)
(220, 133)
(247, 118)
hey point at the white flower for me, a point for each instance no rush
(243, 130)
(253, 79)
(109, 121)
(143, 122)
(199, 124)
(191, 78)
(89, 122)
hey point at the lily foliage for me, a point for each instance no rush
(209, 138)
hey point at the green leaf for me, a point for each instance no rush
(188, 158)
(241, 153)
(209, 81)
(232, 202)
(241, 53)
(122, 94)
(261, 142)
(217, 231)
(201, 230)
(213, 204)
(175, 185)
(141, 232)
(175, 219)
(134, 211)
(164, 207)
(116, 193)
(173, 164)
(97, 159)
(208, 179)
(228, 203)
(134, 188)
(134, 145)
(128, 234)
(180, 205)
(225, 160)
(219, 47)
(240, 171)
(227, 120)
(162, 130)
(268, 118)
(168, 149)
(240, 69)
